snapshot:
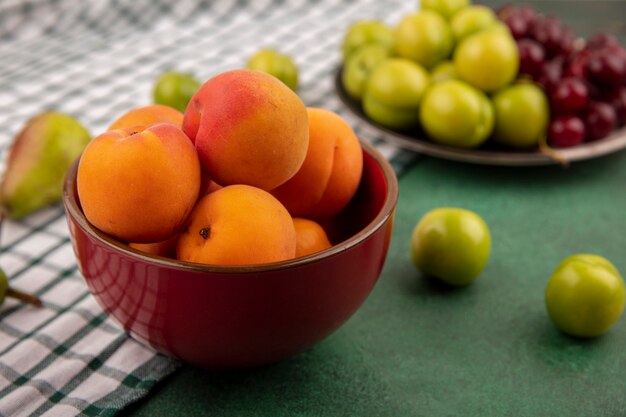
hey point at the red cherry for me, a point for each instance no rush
(528, 13)
(569, 96)
(531, 57)
(601, 40)
(568, 39)
(575, 66)
(566, 131)
(606, 67)
(600, 120)
(517, 25)
(551, 73)
(520, 19)
(617, 99)
(549, 32)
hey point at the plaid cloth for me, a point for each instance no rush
(95, 60)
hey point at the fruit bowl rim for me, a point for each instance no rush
(73, 210)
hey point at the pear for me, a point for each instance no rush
(38, 159)
(7, 291)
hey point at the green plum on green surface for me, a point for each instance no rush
(175, 89)
(522, 114)
(357, 69)
(451, 244)
(470, 20)
(274, 63)
(455, 114)
(446, 8)
(443, 71)
(424, 37)
(366, 32)
(393, 93)
(488, 60)
(585, 295)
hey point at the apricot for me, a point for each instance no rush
(207, 185)
(310, 237)
(148, 115)
(139, 186)
(165, 248)
(248, 128)
(331, 171)
(237, 225)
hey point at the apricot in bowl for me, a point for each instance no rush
(225, 317)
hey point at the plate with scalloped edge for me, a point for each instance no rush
(488, 154)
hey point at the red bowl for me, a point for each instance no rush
(236, 317)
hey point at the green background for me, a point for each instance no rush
(417, 348)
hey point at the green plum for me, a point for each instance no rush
(522, 114)
(359, 66)
(471, 20)
(488, 60)
(175, 89)
(443, 71)
(585, 295)
(446, 8)
(451, 244)
(424, 37)
(274, 63)
(366, 32)
(456, 114)
(393, 93)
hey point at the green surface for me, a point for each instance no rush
(416, 348)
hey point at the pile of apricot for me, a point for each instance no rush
(246, 175)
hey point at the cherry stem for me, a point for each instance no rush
(545, 149)
(24, 297)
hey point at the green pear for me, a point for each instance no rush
(38, 159)
(7, 291)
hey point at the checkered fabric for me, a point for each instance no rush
(95, 60)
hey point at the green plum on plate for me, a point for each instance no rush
(585, 295)
(366, 32)
(424, 37)
(454, 113)
(443, 71)
(451, 244)
(470, 20)
(522, 114)
(357, 69)
(489, 60)
(393, 93)
(446, 8)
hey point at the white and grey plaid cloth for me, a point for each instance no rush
(95, 60)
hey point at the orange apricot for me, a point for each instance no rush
(139, 186)
(148, 115)
(165, 248)
(207, 185)
(248, 128)
(310, 237)
(237, 225)
(331, 171)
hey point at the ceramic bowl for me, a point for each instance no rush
(238, 317)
